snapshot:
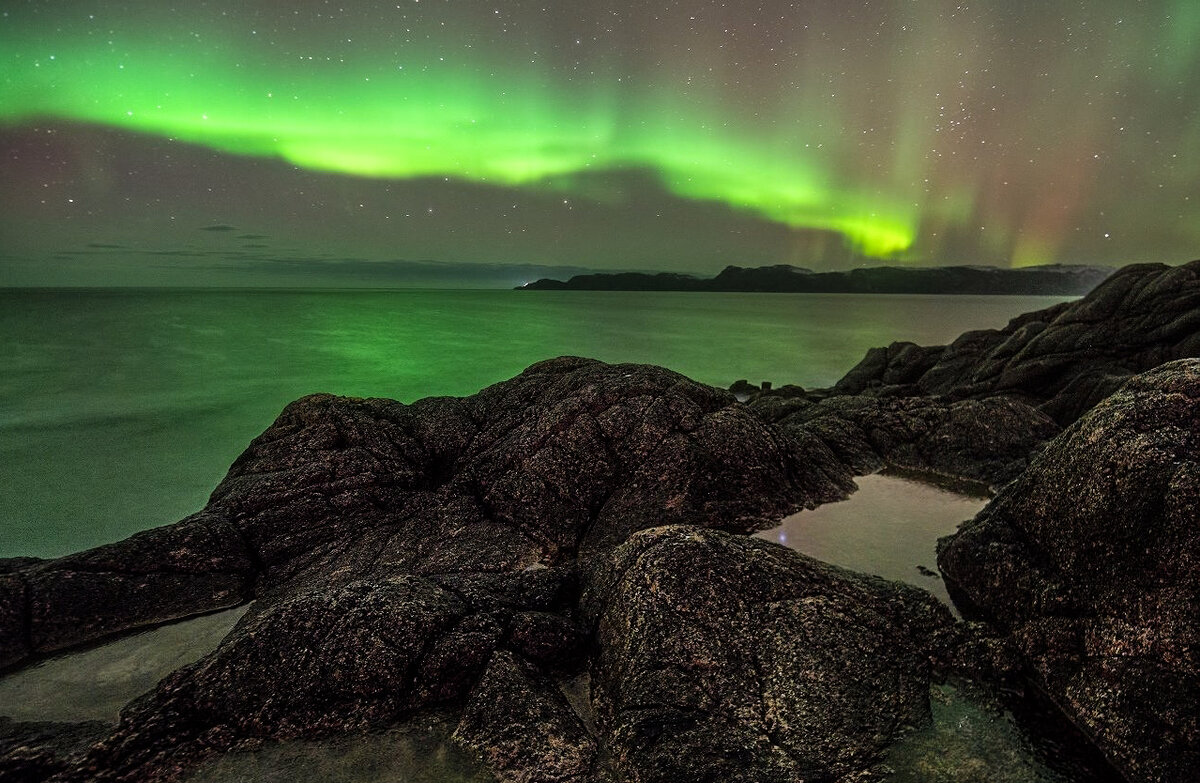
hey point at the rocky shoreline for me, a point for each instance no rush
(468, 556)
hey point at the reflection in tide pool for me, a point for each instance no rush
(94, 684)
(889, 527)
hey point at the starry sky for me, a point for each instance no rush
(455, 142)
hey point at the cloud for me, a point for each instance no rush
(256, 265)
(399, 271)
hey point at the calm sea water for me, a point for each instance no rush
(120, 410)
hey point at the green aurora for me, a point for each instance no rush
(926, 132)
(466, 121)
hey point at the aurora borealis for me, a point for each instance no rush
(604, 135)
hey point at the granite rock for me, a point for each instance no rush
(1090, 562)
(727, 658)
(1062, 360)
(983, 406)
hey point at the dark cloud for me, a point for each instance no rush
(353, 272)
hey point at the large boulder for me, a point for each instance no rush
(570, 454)
(1091, 562)
(727, 658)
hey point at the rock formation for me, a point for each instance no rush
(1090, 561)
(981, 406)
(726, 658)
(396, 553)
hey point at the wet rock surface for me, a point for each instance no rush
(1090, 562)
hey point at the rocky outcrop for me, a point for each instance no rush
(726, 658)
(982, 406)
(1062, 360)
(569, 455)
(523, 727)
(397, 552)
(989, 440)
(468, 556)
(1091, 563)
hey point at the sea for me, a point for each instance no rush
(121, 409)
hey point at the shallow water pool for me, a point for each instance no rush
(889, 528)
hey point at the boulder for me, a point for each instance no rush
(1090, 561)
(988, 440)
(727, 658)
(523, 728)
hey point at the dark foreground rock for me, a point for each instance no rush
(726, 658)
(395, 551)
(36, 751)
(989, 440)
(1091, 562)
(523, 727)
(982, 406)
(466, 557)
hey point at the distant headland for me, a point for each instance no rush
(1052, 280)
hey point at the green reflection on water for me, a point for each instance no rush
(120, 410)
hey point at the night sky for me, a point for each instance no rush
(434, 142)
